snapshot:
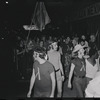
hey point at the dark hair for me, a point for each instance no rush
(81, 40)
(92, 52)
(41, 51)
(50, 44)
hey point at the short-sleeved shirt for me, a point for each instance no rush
(80, 67)
(43, 83)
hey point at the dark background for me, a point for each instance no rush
(19, 12)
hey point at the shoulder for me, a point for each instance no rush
(48, 63)
(74, 61)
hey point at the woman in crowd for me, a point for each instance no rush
(54, 57)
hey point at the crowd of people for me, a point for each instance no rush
(53, 60)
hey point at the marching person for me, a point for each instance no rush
(91, 65)
(54, 57)
(79, 71)
(43, 76)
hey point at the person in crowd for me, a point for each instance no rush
(49, 38)
(92, 42)
(45, 44)
(74, 43)
(54, 57)
(43, 76)
(66, 57)
(78, 71)
(83, 37)
(85, 46)
(37, 41)
(20, 59)
(91, 65)
(93, 88)
(41, 43)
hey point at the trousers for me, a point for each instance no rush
(80, 85)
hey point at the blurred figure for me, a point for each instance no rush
(78, 69)
(54, 57)
(92, 42)
(91, 65)
(93, 88)
(43, 76)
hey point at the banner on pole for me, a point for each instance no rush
(40, 18)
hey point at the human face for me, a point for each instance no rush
(92, 38)
(81, 51)
(83, 37)
(55, 46)
(35, 55)
(74, 42)
(41, 44)
(82, 43)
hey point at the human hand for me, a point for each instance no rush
(29, 94)
(69, 85)
(63, 78)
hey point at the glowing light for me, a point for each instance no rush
(2, 38)
(6, 2)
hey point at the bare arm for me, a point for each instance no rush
(52, 75)
(60, 64)
(70, 75)
(31, 83)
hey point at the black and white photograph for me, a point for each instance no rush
(50, 49)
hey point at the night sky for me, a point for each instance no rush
(21, 11)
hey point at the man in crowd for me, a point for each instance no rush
(92, 42)
(43, 76)
(79, 71)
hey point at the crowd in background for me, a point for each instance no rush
(70, 48)
(65, 46)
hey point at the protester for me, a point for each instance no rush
(78, 70)
(55, 58)
(43, 76)
(93, 88)
(91, 65)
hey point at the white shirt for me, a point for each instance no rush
(90, 69)
(93, 88)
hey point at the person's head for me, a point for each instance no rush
(39, 53)
(92, 38)
(43, 38)
(41, 43)
(82, 42)
(53, 45)
(83, 37)
(74, 41)
(50, 37)
(68, 39)
(79, 50)
(93, 53)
